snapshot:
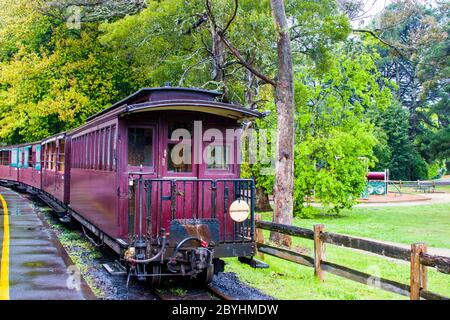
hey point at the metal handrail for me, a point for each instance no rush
(205, 206)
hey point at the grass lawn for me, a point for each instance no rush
(286, 280)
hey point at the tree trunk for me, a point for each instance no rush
(284, 99)
(218, 51)
(250, 90)
(262, 202)
(413, 111)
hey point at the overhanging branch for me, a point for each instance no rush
(234, 51)
(376, 36)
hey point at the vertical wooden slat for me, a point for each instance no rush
(418, 276)
(319, 251)
(259, 236)
(423, 271)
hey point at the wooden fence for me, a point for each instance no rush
(417, 256)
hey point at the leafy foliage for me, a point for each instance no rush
(54, 85)
(335, 138)
(419, 66)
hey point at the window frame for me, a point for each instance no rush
(154, 147)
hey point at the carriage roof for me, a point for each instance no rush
(185, 99)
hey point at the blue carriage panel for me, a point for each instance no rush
(20, 157)
(38, 158)
(14, 157)
(26, 155)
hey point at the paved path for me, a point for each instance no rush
(435, 198)
(34, 266)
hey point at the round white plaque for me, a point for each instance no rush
(239, 211)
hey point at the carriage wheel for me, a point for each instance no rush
(155, 280)
(206, 276)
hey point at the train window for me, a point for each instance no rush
(75, 154)
(38, 158)
(54, 155)
(94, 150)
(61, 155)
(102, 150)
(113, 148)
(217, 157)
(179, 157)
(86, 152)
(93, 146)
(98, 150)
(31, 157)
(79, 152)
(20, 159)
(175, 125)
(140, 147)
(107, 148)
(25, 155)
(4, 157)
(14, 158)
(47, 156)
(44, 156)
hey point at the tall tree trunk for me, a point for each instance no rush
(219, 59)
(250, 90)
(413, 111)
(284, 99)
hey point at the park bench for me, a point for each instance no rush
(425, 187)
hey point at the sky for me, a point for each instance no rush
(372, 8)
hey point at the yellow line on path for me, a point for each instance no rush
(4, 274)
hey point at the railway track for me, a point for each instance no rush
(206, 293)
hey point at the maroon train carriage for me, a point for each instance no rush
(29, 166)
(20, 166)
(116, 177)
(8, 171)
(55, 156)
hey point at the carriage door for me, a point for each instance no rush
(178, 164)
(219, 164)
(141, 156)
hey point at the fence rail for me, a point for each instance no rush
(417, 256)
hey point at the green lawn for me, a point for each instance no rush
(286, 280)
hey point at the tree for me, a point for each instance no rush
(56, 81)
(414, 43)
(284, 101)
(90, 10)
(405, 162)
(234, 46)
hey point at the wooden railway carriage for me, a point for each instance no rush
(8, 157)
(154, 177)
(28, 166)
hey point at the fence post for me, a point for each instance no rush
(319, 251)
(418, 276)
(259, 236)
